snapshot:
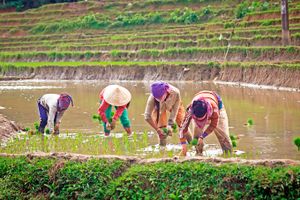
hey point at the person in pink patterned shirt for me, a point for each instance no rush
(207, 114)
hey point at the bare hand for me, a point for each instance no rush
(200, 142)
(184, 150)
(113, 124)
(170, 130)
(56, 129)
(108, 126)
(160, 133)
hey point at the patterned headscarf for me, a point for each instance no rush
(64, 102)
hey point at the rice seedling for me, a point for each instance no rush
(234, 143)
(97, 118)
(47, 131)
(250, 122)
(297, 142)
(36, 126)
(233, 140)
(145, 138)
(194, 142)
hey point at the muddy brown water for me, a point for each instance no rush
(276, 114)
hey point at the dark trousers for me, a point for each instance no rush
(43, 117)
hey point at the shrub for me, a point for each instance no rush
(186, 16)
(246, 7)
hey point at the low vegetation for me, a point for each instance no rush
(22, 177)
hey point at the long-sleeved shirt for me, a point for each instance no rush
(171, 104)
(49, 101)
(213, 117)
(104, 105)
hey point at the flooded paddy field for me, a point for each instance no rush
(275, 115)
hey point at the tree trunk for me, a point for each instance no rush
(285, 23)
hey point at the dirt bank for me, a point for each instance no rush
(137, 160)
(7, 128)
(275, 76)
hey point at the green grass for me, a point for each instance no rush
(182, 34)
(247, 7)
(4, 66)
(277, 11)
(86, 45)
(145, 64)
(92, 21)
(169, 53)
(46, 178)
(90, 144)
(152, 31)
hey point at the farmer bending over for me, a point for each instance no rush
(51, 109)
(164, 97)
(119, 97)
(208, 114)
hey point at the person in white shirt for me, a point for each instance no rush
(51, 109)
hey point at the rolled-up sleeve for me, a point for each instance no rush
(119, 112)
(101, 111)
(149, 107)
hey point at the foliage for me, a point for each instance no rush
(248, 7)
(297, 142)
(21, 5)
(21, 178)
(185, 16)
(96, 117)
(205, 181)
(4, 66)
(88, 180)
(194, 142)
(250, 122)
(24, 178)
(47, 131)
(92, 21)
(233, 140)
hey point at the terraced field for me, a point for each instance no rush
(167, 32)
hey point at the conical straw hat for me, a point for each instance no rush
(116, 95)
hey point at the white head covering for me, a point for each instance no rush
(116, 95)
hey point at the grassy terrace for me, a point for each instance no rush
(172, 32)
(193, 53)
(91, 22)
(163, 29)
(178, 34)
(160, 44)
(127, 16)
(4, 66)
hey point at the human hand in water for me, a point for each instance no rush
(183, 150)
(113, 124)
(56, 129)
(170, 130)
(160, 133)
(108, 126)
